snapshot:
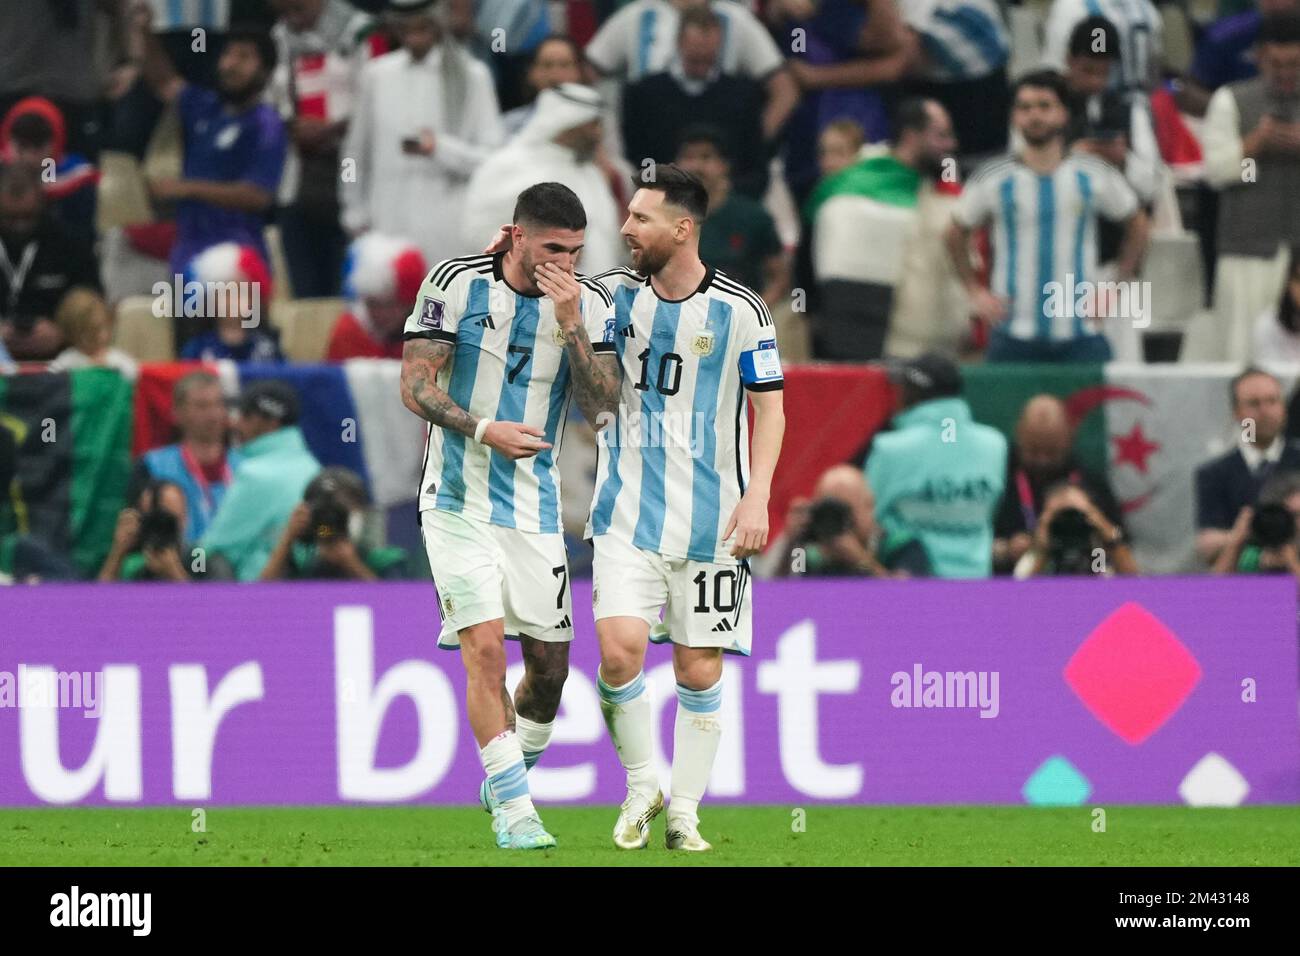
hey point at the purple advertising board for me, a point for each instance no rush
(1048, 692)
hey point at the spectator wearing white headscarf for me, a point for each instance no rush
(424, 118)
(560, 143)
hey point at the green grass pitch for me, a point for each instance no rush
(753, 836)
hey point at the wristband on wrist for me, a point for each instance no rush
(480, 428)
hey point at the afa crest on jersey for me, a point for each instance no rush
(702, 343)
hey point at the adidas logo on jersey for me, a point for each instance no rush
(566, 622)
(723, 625)
(628, 332)
(486, 322)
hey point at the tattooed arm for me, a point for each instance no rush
(597, 378)
(422, 359)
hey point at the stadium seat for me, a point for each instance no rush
(141, 334)
(163, 157)
(281, 285)
(305, 326)
(123, 195)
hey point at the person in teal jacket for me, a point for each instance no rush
(274, 470)
(939, 475)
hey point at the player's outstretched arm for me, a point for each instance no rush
(422, 359)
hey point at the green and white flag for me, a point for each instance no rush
(1148, 427)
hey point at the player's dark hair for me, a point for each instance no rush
(1043, 80)
(697, 133)
(911, 115)
(32, 130)
(552, 205)
(679, 188)
(1279, 28)
(259, 39)
(1083, 39)
(701, 17)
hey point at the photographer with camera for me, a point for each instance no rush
(147, 539)
(838, 534)
(1041, 458)
(1263, 538)
(324, 537)
(1231, 484)
(1073, 536)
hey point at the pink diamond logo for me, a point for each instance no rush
(1132, 673)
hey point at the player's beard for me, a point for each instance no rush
(651, 260)
(530, 272)
(1041, 136)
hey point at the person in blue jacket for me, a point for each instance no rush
(269, 481)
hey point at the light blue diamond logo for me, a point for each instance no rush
(1056, 783)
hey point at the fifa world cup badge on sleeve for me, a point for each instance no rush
(431, 313)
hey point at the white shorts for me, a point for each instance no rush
(484, 572)
(703, 604)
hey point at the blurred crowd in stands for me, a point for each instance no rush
(928, 182)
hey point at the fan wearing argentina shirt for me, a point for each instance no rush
(495, 347)
(678, 506)
(1048, 301)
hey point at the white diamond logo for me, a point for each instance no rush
(1213, 782)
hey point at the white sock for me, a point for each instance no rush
(627, 714)
(503, 762)
(533, 738)
(695, 744)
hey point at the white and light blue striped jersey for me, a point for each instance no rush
(1044, 236)
(1141, 37)
(641, 39)
(674, 464)
(509, 364)
(182, 14)
(962, 39)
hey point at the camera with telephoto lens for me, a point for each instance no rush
(828, 519)
(159, 530)
(1272, 526)
(1069, 542)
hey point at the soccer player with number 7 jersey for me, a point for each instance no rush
(495, 348)
(678, 506)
